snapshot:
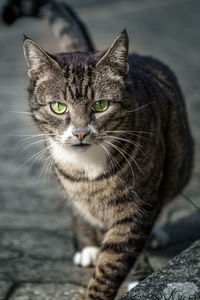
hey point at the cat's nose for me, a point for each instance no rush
(80, 134)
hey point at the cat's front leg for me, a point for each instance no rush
(87, 240)
(121, 246)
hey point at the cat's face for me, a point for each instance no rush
(76, 98)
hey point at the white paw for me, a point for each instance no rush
(160, 238)
(132, 284)
(87, 257)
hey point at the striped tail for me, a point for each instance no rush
(72, 33)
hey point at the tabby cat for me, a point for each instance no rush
(118, 134)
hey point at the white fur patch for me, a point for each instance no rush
(91, 160)
(132, 284)
(87, 257)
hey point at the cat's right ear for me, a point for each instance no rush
(38, 60)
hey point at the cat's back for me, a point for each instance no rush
(162, 88)
(155, 75)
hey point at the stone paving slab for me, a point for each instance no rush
(4, 288)
(47, 292)
(43, 271)
(180, 276)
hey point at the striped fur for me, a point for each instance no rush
(141, 150)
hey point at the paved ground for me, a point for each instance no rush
(35, 230)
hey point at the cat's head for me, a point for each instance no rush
(77, 97)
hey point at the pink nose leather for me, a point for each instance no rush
(80, 134)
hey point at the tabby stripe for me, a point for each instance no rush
(38, 120)
(124, 199)
(71, 92)
(98, 280)
(124, 220)
(103, 273)
(114, 278)
(67, 72)
(92, 93)
(89, 75)
(35, 108)
(113, 267)
(86, 92)
(41, 104)
(120, 247)
(95, 297)
(135, 230)
(126, 259)
(96, 288)
(67, 176)
(77, 93)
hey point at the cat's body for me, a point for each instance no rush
(137, 153)
(85, 174)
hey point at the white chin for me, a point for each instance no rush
(80, 148)
(91, 159)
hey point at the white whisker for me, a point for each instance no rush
(130, 131)
(139, 108)
(39, 157)
(111, 157)
(130, 158)
(44, 166)
(31, 136)
(35, 156)
(34, 143)
(128, 141)
(29, 159)
(118, 149)
(134, 133)
(47, 167)
(22, 112)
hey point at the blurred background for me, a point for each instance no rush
(35, 230)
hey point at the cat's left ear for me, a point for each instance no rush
(116, 55)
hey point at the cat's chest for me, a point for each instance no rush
(88, 199)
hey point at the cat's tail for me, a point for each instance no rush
(72, 33)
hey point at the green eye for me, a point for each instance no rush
(58, 107)
(100, 105)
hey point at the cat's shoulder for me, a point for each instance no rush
(152, 69)
(148, 63)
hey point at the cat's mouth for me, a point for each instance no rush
(80, 145)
